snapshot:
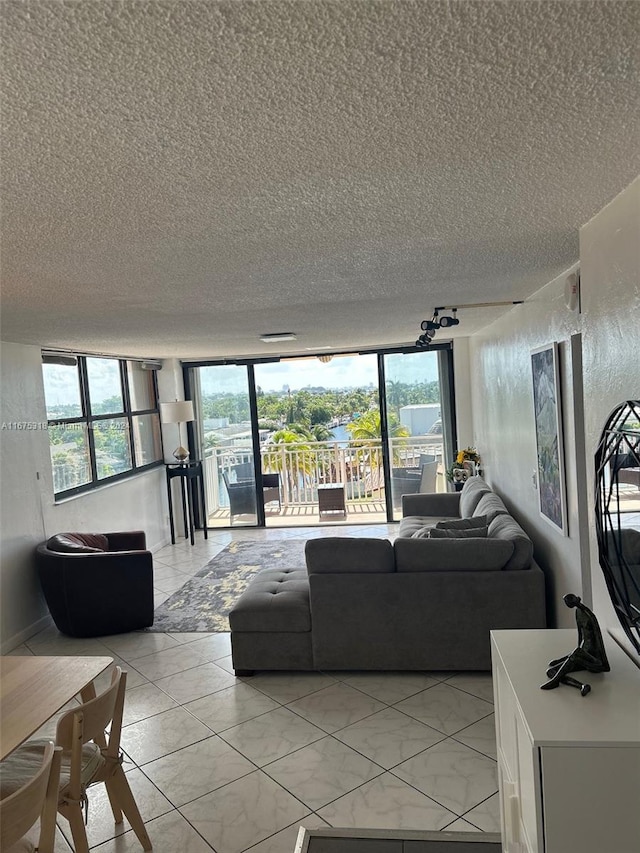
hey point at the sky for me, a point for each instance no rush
(341, 372)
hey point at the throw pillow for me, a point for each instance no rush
(423, 533)
(472, 533)
(463, 523)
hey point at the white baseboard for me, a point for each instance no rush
(22, 636)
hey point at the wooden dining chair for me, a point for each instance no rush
(89, 756)
(24, 801)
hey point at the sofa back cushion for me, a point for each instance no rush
(78, 543)
(445, 555)
(349, 555)
(472, 491)
(505, 527)
(489, 506)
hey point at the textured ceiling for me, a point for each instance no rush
(180, 177)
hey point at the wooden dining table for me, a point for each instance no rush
(34, 688)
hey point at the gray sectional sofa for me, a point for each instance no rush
(425, 602)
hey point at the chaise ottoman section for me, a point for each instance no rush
(271, 623)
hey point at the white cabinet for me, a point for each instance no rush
(568, 766)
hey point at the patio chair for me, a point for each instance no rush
(271, 489)
(428, 477)
(242, 497)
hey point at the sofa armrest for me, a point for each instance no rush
(130, 540)
(440, 504)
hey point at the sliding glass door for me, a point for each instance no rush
(417, 420)
(308, 440)
(224, 438)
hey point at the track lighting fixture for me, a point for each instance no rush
(429, 327)
(445, 322)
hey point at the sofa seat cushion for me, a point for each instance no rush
(353, 555)
(505, 527)
(472, 491)
(276, 600)
(410, 525)
(489, 506)
(444, 555)
(78, 543)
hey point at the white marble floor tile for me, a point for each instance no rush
(445, 708)
(213, 646)
(196, 770)
(159, 598)
(388, 687)
(137, 644)
(386, 803)
(168, 662)
(63, 646)
(285, 840)
(162, 572)
(195, 683)
(164, 733)
(481, 736)
(101, 826)
(20, 651)
(336, 707)
(170, 585)
(189, 637)
(230, 707)
(389, 737)
(60, 844)
(134, 678)
(319, 773)
(145, 701)
(477, 683)
(226, 663)
(243, 813)
(486, 815)
(272, 735)
(286, 687)
(452, 774)
(170, 833)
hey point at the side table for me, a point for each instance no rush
(190, 474)
(331, 499)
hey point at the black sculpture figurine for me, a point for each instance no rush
(590, 653)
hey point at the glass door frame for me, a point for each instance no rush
(447, 396)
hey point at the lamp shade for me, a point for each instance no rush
(177, 412)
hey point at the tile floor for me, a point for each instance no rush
(236, 764)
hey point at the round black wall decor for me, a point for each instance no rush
(617, 462)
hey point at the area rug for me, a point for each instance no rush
(204, 601)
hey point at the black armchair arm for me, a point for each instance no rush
(130, 540)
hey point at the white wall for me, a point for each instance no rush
(503, 428)
(610, 273)
(28, 514)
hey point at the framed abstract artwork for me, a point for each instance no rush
(547, 406)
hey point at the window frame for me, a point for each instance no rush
(88, 420)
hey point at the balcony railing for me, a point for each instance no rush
(306, 465)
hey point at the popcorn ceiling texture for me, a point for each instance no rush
(180, 177)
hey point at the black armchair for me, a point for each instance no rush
(271, 489)
(97, 583)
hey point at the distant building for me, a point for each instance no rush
(420, 418)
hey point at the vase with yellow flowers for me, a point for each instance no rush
(466, 464)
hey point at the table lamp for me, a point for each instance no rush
(178, 412)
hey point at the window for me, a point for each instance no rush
(103, 419)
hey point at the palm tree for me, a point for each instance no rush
(287, 453)
(321, 432)
(367, 429)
